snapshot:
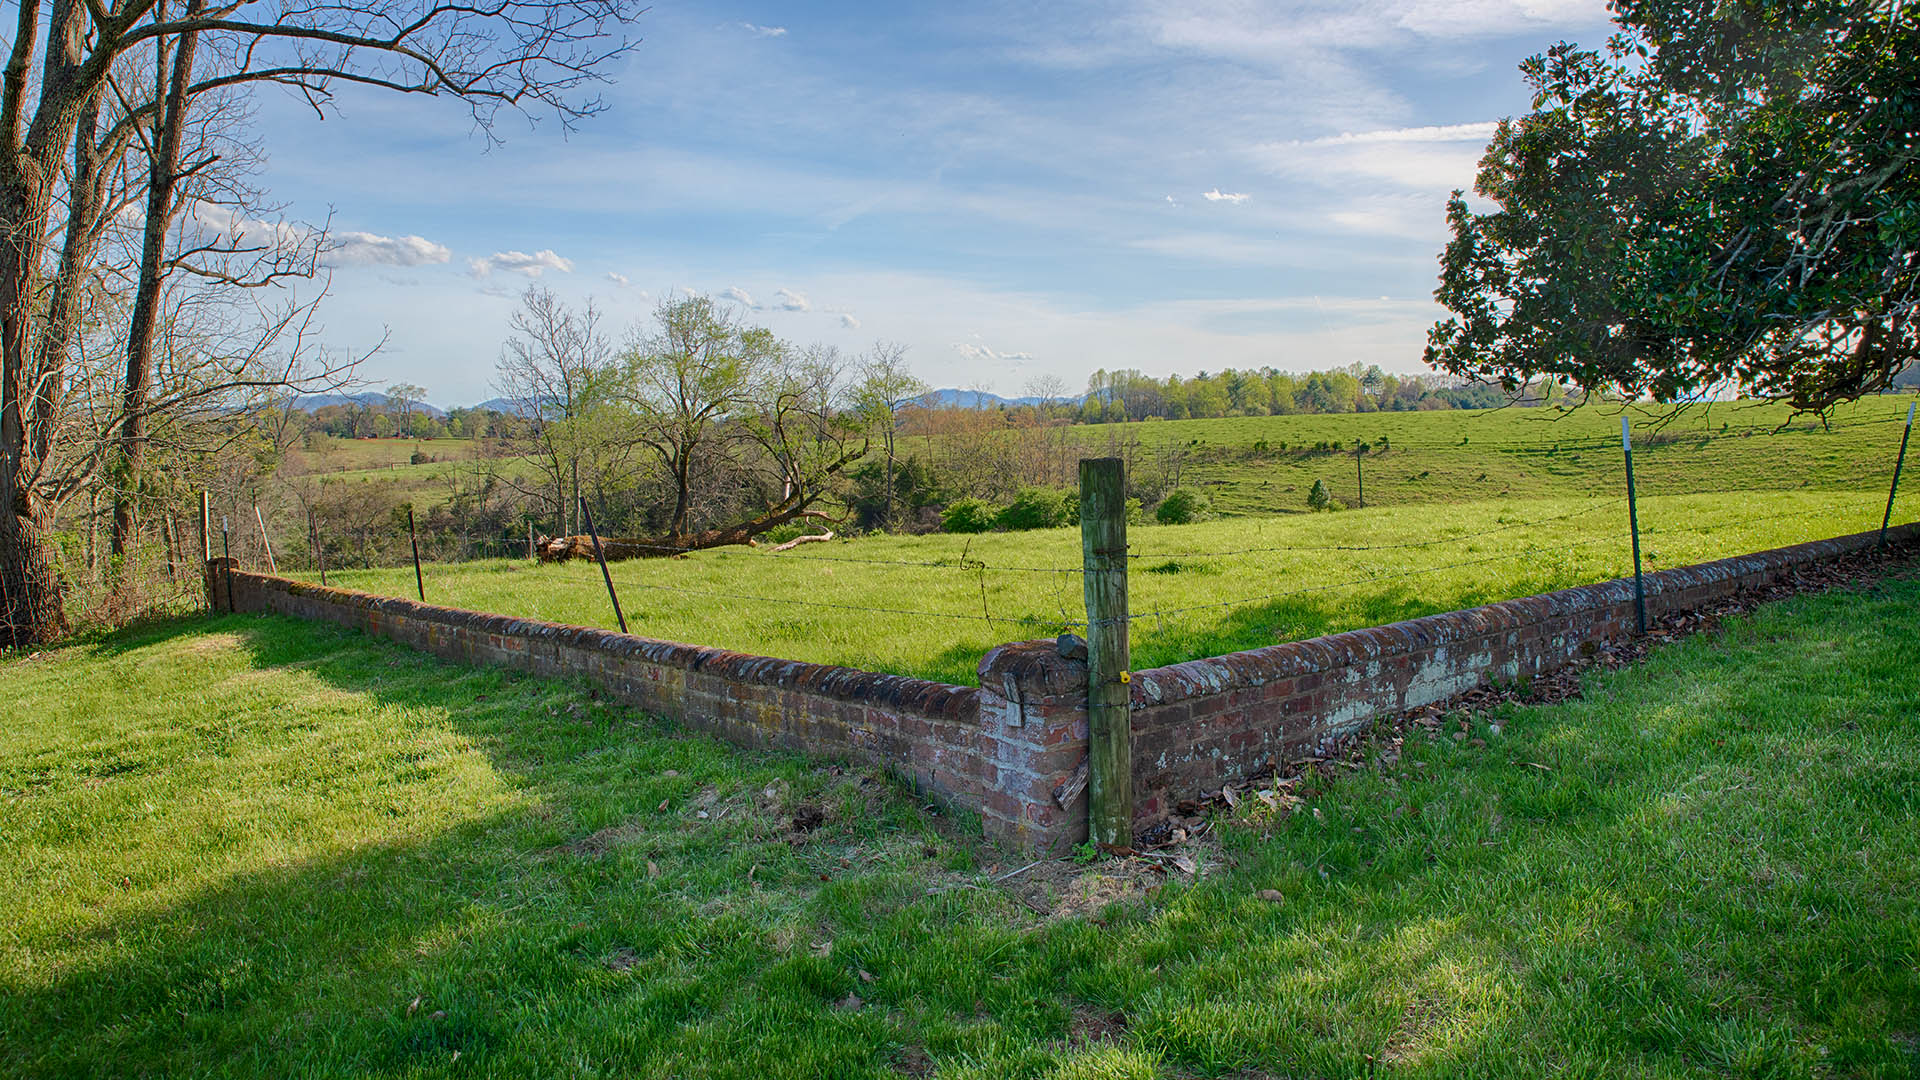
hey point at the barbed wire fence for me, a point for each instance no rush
(1603, 521)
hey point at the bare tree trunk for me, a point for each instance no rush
(163, 177)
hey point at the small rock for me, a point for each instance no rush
(1271, 896)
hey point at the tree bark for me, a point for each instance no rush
(163, 178)
(562, 548)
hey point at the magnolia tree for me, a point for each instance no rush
(1726, 193)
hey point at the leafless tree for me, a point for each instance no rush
(558, 370)
(64, 95)
(885, 389)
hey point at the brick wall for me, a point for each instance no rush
(993, 750)
(1202, 722)
(1014, 749)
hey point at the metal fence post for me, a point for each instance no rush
(1103, 540)
(586, 518)
(1633, 524)
(413, 540)
(1887, 518)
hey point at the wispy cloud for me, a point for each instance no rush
(788, 300)
(848, 322)
(1438, 157)
(1216, 195)
(764, 31)
(984, 354)
(370, 249)
(738, 295)
(519, 262)
(619, 279)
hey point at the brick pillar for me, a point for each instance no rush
(219, 592)
(1033, 721)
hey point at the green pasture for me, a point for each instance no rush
(1461, 456)
(255, 847)
(931, 606)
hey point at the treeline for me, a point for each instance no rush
(385, 420)
(1114, 396)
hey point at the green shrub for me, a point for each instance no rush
(1319, 498)
(968, 516)
(1183, 506)
(1036, 508)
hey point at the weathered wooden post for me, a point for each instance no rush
(206, 529)
(1103, 540)
(272, 566)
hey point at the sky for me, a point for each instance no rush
(1010, 191)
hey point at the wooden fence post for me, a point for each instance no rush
(206, 530)
(1103, 540)
(272, 566)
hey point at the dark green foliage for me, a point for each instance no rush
(1038, 508)
(1726, 192)
(1319, 498)
(914, 487)
(968, 516)
(1183, 506)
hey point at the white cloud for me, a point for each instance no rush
(519, 262)
(848, 322)
(1436, 158)
(619, 279)
(738, 295)
(788, 300)
(370, 249)
(764, 31)
(1216, 195)
(982, 354)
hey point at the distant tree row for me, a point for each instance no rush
(1130, 395)
(392, 419)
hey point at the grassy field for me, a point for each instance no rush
(255, 847)
(1470, 456)
(932, 605)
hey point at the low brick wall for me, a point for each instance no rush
(1014, 749)
(988, 750)
(1200, 723)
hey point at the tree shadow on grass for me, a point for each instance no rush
(585, 926)
(628, 866)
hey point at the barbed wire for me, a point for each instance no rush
(1027, 620)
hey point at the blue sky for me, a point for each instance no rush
(1009, 190)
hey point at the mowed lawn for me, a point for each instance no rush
(255, 847)
(931, 606)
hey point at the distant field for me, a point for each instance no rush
(1196, 590)
(1470, 456)
(334, 455)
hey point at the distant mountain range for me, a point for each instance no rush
(310, 402)
(984, 399)
(947, 398)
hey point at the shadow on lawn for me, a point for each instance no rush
(565, 904)
(544, 935)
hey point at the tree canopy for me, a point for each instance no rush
(1725, 192)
